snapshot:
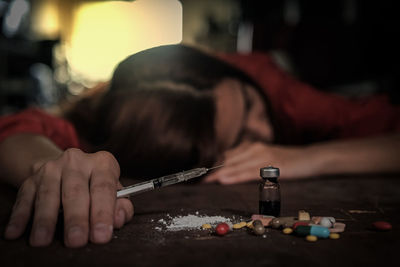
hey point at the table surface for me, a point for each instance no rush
(355, 201)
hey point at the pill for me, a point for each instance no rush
(259, 229)
(206, 226)
(382, 226)
(316, 219)
(334, 236)
(338, 228)
(287, 231)
(236, 226)
(239, 225)
(289, 224)
(279, 222)
(294, 226)
(327, 222)
(316, 230)
(311, 238)
(222, 229)
(303, 216)
(265, 219)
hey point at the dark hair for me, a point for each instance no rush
(177, 63)
(158, 115)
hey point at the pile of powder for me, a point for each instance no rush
(190, 222)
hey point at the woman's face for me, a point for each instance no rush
(241, 115)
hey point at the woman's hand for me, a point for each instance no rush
(84, 186)
(243, 163)
(378, 154)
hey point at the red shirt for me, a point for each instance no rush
(36, 121)
(302, 113)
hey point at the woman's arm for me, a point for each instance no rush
(352, 156)
(364, 155)
(21, 153)
(83, 184)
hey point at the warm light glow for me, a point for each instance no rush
(105, 33)
(45, 22)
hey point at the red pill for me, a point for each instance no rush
(222, 229)
(382, 226)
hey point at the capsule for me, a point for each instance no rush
(284, 222)
(298, 223)
(316, 230)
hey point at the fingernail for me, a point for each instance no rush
(11, 231)
(76, 236)
(102, 232)
(40, 236)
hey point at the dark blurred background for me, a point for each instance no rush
(348, 47)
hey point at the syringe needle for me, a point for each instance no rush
(216, 167)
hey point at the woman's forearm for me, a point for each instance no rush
(366, 155)
(21, 153)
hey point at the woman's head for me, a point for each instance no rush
(157, 129)
(170, 108)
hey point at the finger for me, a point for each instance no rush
(244, 172)
(75, 200)
(119, 213)
(47, 205)
(123, 212)
(127, 210)
(251, 167)
(223, 173)
(238, 149)
(247, 154)
(103, 192)
(21, 211)
(212, 178)
(228, 159)
(242, 177)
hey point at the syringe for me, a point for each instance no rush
(163, 181)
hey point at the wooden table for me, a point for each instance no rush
(356, 201)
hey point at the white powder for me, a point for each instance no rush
(191, 222)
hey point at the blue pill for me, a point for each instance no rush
(316, 230)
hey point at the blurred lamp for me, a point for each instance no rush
(104, 33)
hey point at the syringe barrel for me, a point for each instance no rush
(181, 176)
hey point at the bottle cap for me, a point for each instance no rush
(269, 172)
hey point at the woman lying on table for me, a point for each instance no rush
(172, 108)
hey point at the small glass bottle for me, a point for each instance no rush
(269, 190)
